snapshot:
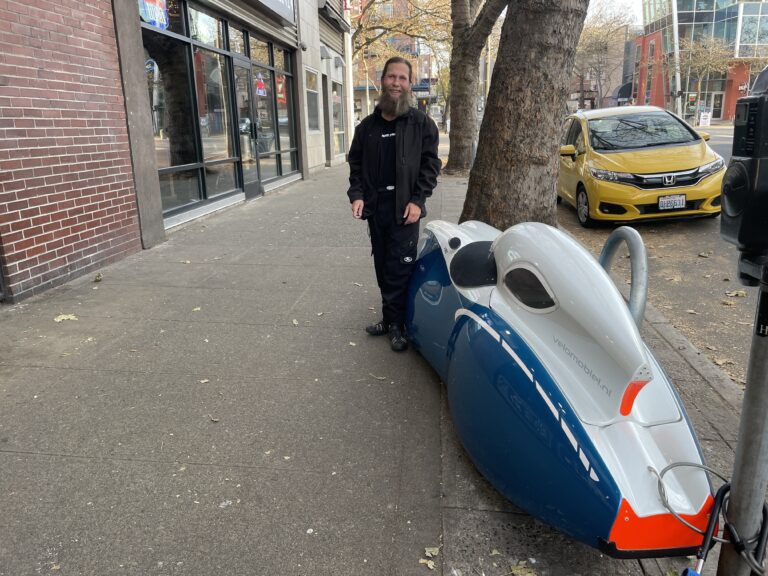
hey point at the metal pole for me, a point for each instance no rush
(750, 475)
(676, 49)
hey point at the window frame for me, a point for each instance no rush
(316, 93)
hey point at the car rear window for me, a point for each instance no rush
(640, 130)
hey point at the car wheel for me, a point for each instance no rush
(582, 208)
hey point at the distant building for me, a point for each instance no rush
(742, 25)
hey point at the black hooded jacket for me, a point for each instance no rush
(417, 164)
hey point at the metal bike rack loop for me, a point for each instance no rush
(638, 260)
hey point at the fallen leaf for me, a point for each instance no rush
(98, 277)
(672, 573)
(705, 254)
(377, 377)
(212, 418)
(371, 308)
(711, 348)
(521, 570)
(295, 322)
(674, 278)
(429, 563)
(357, 284)
(62, 317)
(204, 381)
(723, 361)
(196, 309)
(431, 552)
(495, 552)
(736, 293)
(691, 311)
(352, 344)
(727, 303)
(185, 262)
(320, 313)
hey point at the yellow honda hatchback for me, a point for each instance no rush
(634, 163)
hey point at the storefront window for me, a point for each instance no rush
(213, 104)
(283, 60)
(283, 92)
(313, 101)
(337, 99)
(219, 178)
(205, 28)
(215, 133)
(162, 15)
(265, 120)
(170, 99)
(179, 189)
(237, 40)
(259, 51)
(268, 167)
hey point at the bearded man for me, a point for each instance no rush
(393, 168)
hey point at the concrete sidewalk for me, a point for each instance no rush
(213, 406)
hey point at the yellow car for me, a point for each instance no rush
(636, 163)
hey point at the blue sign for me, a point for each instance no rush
(154, 12)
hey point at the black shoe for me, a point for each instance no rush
(378, 329)
(397, 340)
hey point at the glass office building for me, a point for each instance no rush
(672, 25)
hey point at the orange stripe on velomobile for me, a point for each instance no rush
(631, 533)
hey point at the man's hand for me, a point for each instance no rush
(412, 213)
(357, 209)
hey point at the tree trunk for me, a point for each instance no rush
(515, 171)
(465, 82)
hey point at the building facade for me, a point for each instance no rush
(123, 119)
(662, 76)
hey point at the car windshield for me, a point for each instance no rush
(639, 130)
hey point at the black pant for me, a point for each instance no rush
(394, 256)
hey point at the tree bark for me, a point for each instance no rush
(471, 25)
(515, 171)
(465, 81)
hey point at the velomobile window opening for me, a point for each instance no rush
(528, 288)
(474, 266)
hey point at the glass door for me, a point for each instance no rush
(716, 105)
(246, 128)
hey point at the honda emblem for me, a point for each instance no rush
(668, 179)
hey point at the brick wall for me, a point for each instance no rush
(67, 198)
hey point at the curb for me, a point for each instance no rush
(723, 386)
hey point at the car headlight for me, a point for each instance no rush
(609, 176)
(712, 167)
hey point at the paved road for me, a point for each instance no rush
(691, 272)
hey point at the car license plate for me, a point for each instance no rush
(672, 202)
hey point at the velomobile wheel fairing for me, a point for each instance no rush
(553, 394)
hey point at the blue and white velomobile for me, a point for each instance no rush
(553, 393)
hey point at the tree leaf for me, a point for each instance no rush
(62, 317)
(429, 563)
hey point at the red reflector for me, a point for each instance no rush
(630, 394)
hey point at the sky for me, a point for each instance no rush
(635, 6)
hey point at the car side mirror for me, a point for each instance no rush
(705, 136)
(568, 150)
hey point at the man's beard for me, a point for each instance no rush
(392, 106)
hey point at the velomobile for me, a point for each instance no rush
(553, 393)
